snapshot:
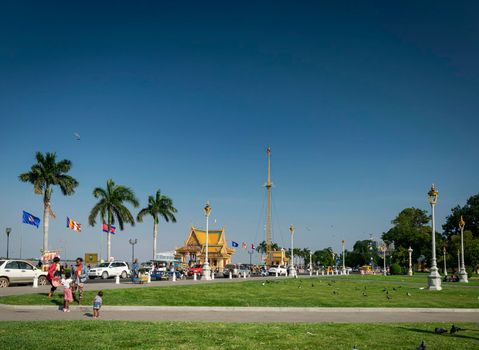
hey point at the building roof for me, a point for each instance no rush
(196, 240)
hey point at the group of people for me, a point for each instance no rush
(73, 283)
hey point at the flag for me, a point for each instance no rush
(30, 219)
(112, 229)
(252, 246)
(243, 245)
(73, 225)
(234, 244)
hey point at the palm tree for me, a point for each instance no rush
(45, 174)
(111, 207)
(158, 206)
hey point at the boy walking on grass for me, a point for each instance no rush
(97, 302)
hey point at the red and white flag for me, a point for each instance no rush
(243, 245)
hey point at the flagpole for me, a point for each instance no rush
(21, 241)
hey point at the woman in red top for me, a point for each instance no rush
(52, 270)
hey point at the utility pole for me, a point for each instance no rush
(8, 230)
(133, 242)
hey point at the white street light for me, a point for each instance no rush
(282, 256)
(292, 270)
(133, 242)
(344, 264)
(310, 263)
(463, 272)
(445, 256)
(206, 266)
(410, 250)
(434, 278)
(383, 249)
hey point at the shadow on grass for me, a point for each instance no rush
(462, 336)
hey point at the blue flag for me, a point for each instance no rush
(30, 219)
(234, 244)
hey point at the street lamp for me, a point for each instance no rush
(292, 271)
(344, 265)
(8, 230)
(463, 272)
(410, 250)
(310, 263)
(383, 249)
(206, 265)
(133, 242)
(434, 279)
(445, 267)
(282, 256)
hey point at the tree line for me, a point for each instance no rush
(48, 173)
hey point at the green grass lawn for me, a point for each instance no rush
(194, 335)
(305, 292)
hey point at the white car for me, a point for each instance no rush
(19, 271)
(281, 270)
(110, 269)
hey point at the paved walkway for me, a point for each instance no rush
(242, 314)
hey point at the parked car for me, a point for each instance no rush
(233, 268)
(110, 269)
(244, 269)
(280, 268)
(198, 269)
(19, 271)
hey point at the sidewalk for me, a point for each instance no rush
(242, 314)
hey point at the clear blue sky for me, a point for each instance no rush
(364, 104)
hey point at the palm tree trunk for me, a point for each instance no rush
(155, 238)
(108, 244)
(46, 222)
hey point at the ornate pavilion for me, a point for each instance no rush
(193, 251)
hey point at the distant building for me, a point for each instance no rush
(193, 251)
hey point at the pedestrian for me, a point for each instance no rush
(80, 277)
(53, 277)
(135, 270)
(97, 303)
(67, 291)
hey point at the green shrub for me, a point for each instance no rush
(395, 269)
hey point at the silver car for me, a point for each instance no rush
(20, 271)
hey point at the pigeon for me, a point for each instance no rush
(77, 136)
(439, 330)
(422, 346)
(385, 290)
(334, 292)
(300, 286)
(365, 294)
(312, 284)
(408, 294)
(389, 297)
(455, 329)
(394, 289)
(354, 347)
(329, 284)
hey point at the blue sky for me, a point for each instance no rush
(364, 104)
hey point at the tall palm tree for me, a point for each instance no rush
(158, 206)
(111, 208)
(45, 174)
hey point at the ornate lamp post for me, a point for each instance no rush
(282, 256)
(434, 278)
(462, 273)
(292, 270)
(310, 263)
(8, 230)
(343, 271)
(133, 242)
(410, 250)
(445, 256)
(383, 249)
(206, 266)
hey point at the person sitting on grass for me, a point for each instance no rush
(67, 292)
(97, 303)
